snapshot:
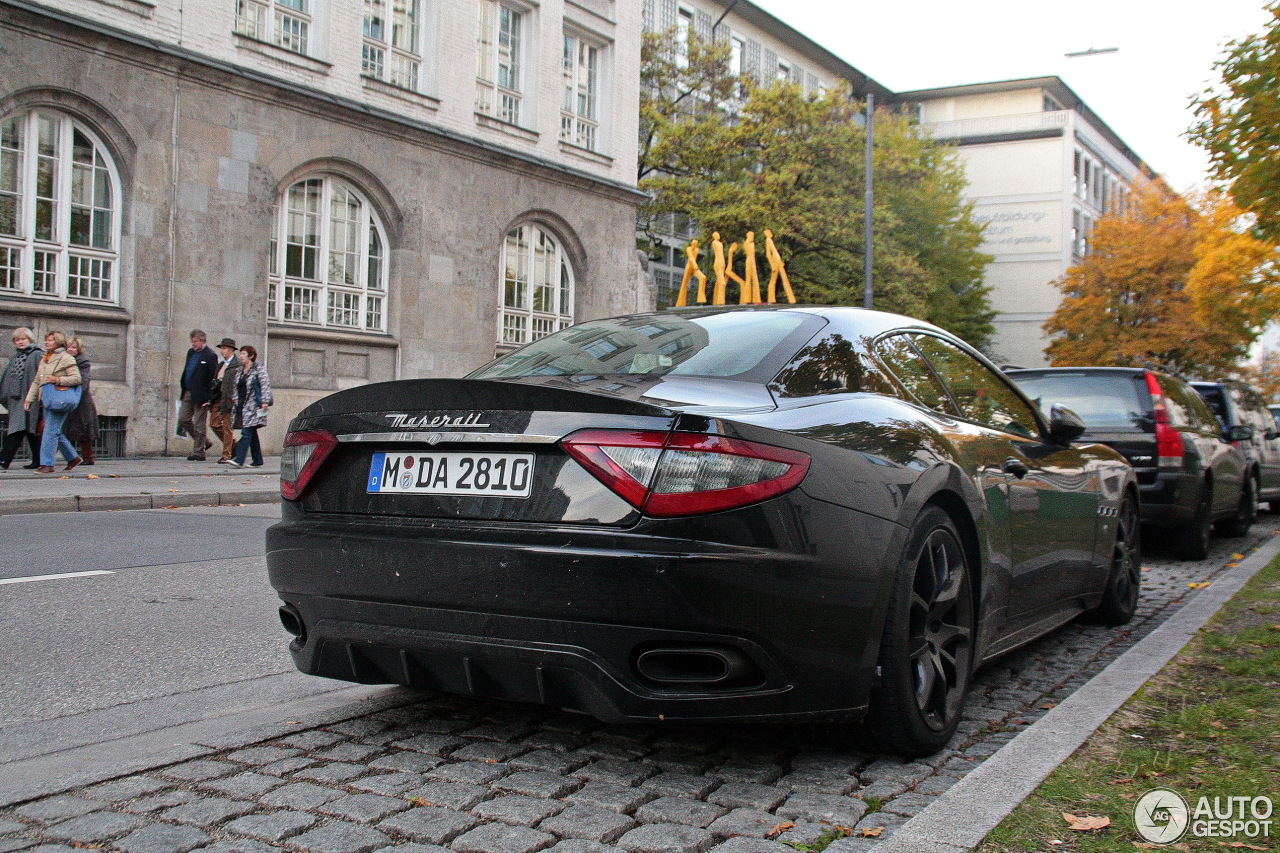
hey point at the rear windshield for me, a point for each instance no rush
(1102, 400)
(741, 345)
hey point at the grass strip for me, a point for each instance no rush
(1207, 726)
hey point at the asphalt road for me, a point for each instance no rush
(166, 620)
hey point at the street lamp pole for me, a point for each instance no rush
(869, 202)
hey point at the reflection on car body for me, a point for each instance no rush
(732, 514)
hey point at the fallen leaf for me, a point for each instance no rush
(1241, 844)
(1121, 781)
(1048, 706)
(1085, 823)
(1200, 585)
(1147, 845)
(780, 828)
(116, 476)
(872, 831)
(171, 506)
(1237, 556)
(418, 801)
(92, 477)
(171, 490)
(1218, 724)
(64, 478)
(293, 722)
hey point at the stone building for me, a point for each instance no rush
(362, 189)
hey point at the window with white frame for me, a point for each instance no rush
(328, 259)
(59, 210)
(499, 66)
(286, 23)
(684, 28)
(392, 48)
(737, 48)
(537, 286)
(580, 112)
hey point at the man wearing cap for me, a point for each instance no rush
(222, 401)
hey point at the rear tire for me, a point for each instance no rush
(1120, 600)
(1192, 541)
(1246, 511)
(926, 655)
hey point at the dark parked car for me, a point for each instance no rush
(1248, 424)
(710, 514)
(1189, 475)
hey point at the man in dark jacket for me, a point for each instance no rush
(196, 382)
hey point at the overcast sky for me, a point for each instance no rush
(1167, 51)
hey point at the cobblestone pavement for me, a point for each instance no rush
(456, 774)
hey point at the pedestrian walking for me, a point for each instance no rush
(81, 428)
(18, 375)
(195, 382)
(222, 398)
(253, 398)
(57, 389)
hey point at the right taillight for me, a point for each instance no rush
(1169, 448)
(675, 474)
(303, 452)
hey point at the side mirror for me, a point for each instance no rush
(1240, 432)
(1064, 425)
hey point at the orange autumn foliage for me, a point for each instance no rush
(1173, 283)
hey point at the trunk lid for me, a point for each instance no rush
(443, 434)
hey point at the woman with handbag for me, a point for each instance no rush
(252, 399)
(57, 388)
(14, 384)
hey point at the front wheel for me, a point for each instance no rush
(1120, 600)
(927, 651)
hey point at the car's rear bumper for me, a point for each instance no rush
(560, 615)
(1171, 500)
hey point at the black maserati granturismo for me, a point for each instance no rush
(757, 513)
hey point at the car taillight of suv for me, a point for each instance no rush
(1169, 447)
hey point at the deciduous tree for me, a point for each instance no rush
(1168, 283)
(734, 157)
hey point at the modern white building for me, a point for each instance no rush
(361, 189)
(1042, 167)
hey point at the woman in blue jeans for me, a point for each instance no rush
(56, 374)
(252, 399)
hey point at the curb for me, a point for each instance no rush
(102, 503)
(963, 816)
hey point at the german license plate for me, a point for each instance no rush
(507, 475)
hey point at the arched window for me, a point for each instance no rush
(537, 285)
(328, 259)
(59, 210)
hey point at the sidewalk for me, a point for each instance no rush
(145, 483)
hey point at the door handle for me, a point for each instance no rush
(1016, 468)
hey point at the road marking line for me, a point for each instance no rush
(52, 577)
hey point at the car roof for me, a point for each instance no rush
(866, 321)
(1130, 370)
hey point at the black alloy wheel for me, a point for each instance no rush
(1120, 599)
(927, 654)
(1246, 511)
(1191, 542)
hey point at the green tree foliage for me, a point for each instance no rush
(1168, 282)
(736, 157)
(1239, 124)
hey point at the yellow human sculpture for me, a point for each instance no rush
(718, 267)
(751, 277)
(743, 296)
(690, 270)
(776, 269)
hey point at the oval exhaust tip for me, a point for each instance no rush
(692, 665)
(291, 619)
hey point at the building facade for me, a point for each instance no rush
(363, 190)
(1041, 169)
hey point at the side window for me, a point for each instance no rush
(831, 365)
(914, 373)
(981, 395)
(1186, 408)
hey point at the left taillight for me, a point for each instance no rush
(302, 456)
(666, 475)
